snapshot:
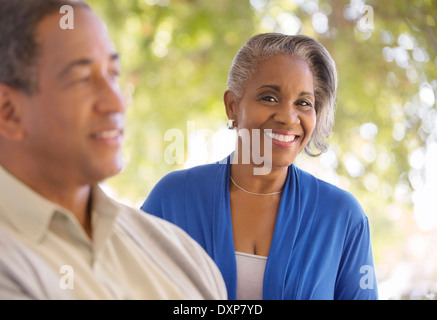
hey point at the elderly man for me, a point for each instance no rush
(61, 127)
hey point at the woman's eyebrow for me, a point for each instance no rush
(306, 93)
(278, 88)
(271, 86)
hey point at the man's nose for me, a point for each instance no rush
(110, 99)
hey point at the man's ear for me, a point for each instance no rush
(10, 113)
(231, 105)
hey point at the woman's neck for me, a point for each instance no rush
(244, 176)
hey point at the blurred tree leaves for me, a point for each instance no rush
(176, 55)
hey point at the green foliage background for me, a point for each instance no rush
(176, 55)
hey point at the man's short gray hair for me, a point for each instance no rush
(18, 47)
(264, 46)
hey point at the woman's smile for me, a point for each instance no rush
(282, 140)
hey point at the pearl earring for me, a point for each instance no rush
(231, 124)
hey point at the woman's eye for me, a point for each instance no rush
(305, 103)
(269, 99)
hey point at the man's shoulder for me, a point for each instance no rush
(173, 250)
(140, 223)
(23, 274)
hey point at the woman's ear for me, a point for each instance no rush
(10, 114)
(231, 105)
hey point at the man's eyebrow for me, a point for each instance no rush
(84, 62)
(73, 64)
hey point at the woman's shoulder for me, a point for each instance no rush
(198, 174)
(331, 196)
(172, 191)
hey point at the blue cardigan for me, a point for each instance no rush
(320, 247)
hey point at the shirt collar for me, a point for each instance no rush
(24, 208)
(30, 213)
(104, 214)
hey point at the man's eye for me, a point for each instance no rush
(115, 73)
(85, 79)
(81, 80)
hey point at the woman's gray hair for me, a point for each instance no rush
(264, 46)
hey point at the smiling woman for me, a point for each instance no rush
(312, 236)
(279, 100)
(261, 48)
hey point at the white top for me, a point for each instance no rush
(250, 276)
(46, 254)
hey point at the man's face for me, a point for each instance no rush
(74, 121)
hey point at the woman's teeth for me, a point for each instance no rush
(280, 137)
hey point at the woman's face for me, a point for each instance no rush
(279, 97)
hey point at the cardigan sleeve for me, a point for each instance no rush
(356, 279)
(341, 238)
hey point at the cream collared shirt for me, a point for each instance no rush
(46, 254)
